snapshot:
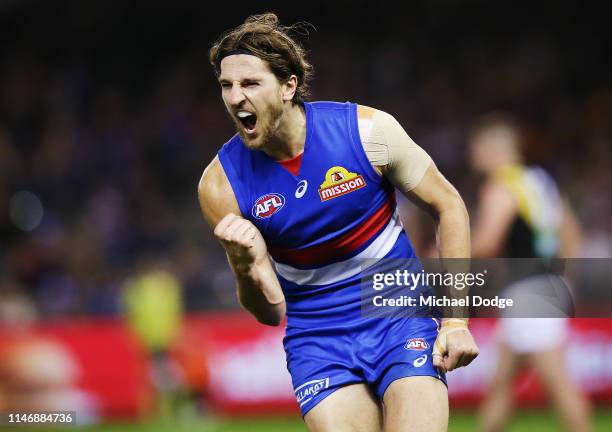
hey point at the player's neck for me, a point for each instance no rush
(290, 136)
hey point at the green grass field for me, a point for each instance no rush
(526, 421)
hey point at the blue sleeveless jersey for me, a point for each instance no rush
(322, 224)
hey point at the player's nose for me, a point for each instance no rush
(235, 95)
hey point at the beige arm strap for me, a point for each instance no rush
(390, 150)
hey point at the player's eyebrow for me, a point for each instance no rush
(242, 82)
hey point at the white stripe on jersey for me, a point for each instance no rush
(339, 271)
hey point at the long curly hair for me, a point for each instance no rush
(263, 36)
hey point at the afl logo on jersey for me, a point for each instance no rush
(267, 205)
(339, 181)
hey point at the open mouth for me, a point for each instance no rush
(248, 120)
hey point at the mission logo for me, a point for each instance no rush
(266, 205)
(339, 181)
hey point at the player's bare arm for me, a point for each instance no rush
(496, 210)
(412, 171)
(257, 286)
(455, 346)
(570, 234)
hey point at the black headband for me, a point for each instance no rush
(237, 51)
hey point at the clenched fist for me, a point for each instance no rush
(454, 346)
(242, 241)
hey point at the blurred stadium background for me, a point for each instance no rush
(116, 302)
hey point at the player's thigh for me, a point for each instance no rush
(551, 368)
(352, 408)
(507, 364)
(416, 403)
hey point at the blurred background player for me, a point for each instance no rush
(153, 307)
(522, 214)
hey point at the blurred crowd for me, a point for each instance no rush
(100, 155)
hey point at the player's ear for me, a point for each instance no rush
(289, 88)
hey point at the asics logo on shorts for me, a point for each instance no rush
(420, 361)
(308, 390)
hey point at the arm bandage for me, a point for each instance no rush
(391, 150)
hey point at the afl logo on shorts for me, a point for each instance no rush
(416, 344)
(267, 205)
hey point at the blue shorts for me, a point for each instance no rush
(375, 352)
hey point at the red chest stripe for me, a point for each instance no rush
(338, 247)
(293, 165)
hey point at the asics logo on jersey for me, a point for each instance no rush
(266, 205)
(416, 344)
(339, 181)
(301, 189)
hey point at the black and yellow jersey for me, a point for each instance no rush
(535, 229)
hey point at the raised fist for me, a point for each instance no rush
(242, 241)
